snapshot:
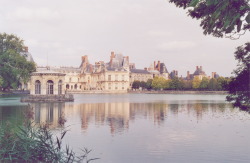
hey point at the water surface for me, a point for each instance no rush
(132, 128)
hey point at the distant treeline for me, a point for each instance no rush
(160, 83)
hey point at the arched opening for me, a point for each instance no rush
(37, 87)
(60, 87)
(67, 86)
(50, 87)
(75, 86)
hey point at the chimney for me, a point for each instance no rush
(154, 65)
(213, 74)
(197, 67)
(128, 58)
(26, 49)
(85, 58)
(201, 68)
(176, 72)
(188, 75)
(146, 68)
(159, 66)
(112, 55)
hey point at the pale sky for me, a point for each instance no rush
(144, 30)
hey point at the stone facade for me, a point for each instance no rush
(47, 82)
(115, 76)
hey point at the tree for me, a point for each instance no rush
(136, 84)
(149, 83)
(204, 83)
(167, 84)
(239, 87)
(176, 84)
(158, 83)
(143, 84)
(213, 84)
(196, 82)
(223, 83)
(219, 17)
(14, 68)
(187, 84)
(1, 82)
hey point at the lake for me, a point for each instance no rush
(146, 128)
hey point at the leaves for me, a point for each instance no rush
(14, 68)
(248, 18)
(193, 3)
(239, 87)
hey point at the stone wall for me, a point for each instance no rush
(48, 98)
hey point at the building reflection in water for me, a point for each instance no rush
(118, 115)
(48, 113)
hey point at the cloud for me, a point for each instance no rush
(176, 45)
(159, 33)
(29, 14)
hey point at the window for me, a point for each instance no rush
(50, 87)
(109, 85)
(109, 77)
(122, 77)
(75, 86)
(67, 86)
(116, 86)
(60, 87)
(116, 77)
(37, 87)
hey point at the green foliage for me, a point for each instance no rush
(187, 85)
(239, 87)
(213, 84)
(149, 83)
(176, 84)
(223, 83)
(196, 82)
(143, 84)
(14, 68)
(167, 84)
(204, 83)
(136, 84)
(1, 81)
(158, 83)
(219, 17)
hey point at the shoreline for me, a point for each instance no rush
(179, 92)
(133, 92)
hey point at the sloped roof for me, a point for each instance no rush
(199, 72)
(139, 71)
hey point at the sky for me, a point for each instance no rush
(59, 32)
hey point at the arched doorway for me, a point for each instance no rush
(50, 87)
(60, 87)
(37, 87)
